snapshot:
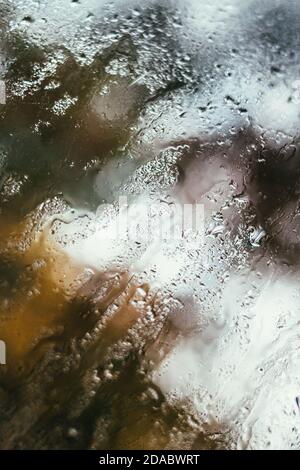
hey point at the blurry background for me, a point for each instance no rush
(109, 97)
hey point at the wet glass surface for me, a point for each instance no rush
(146, 342)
